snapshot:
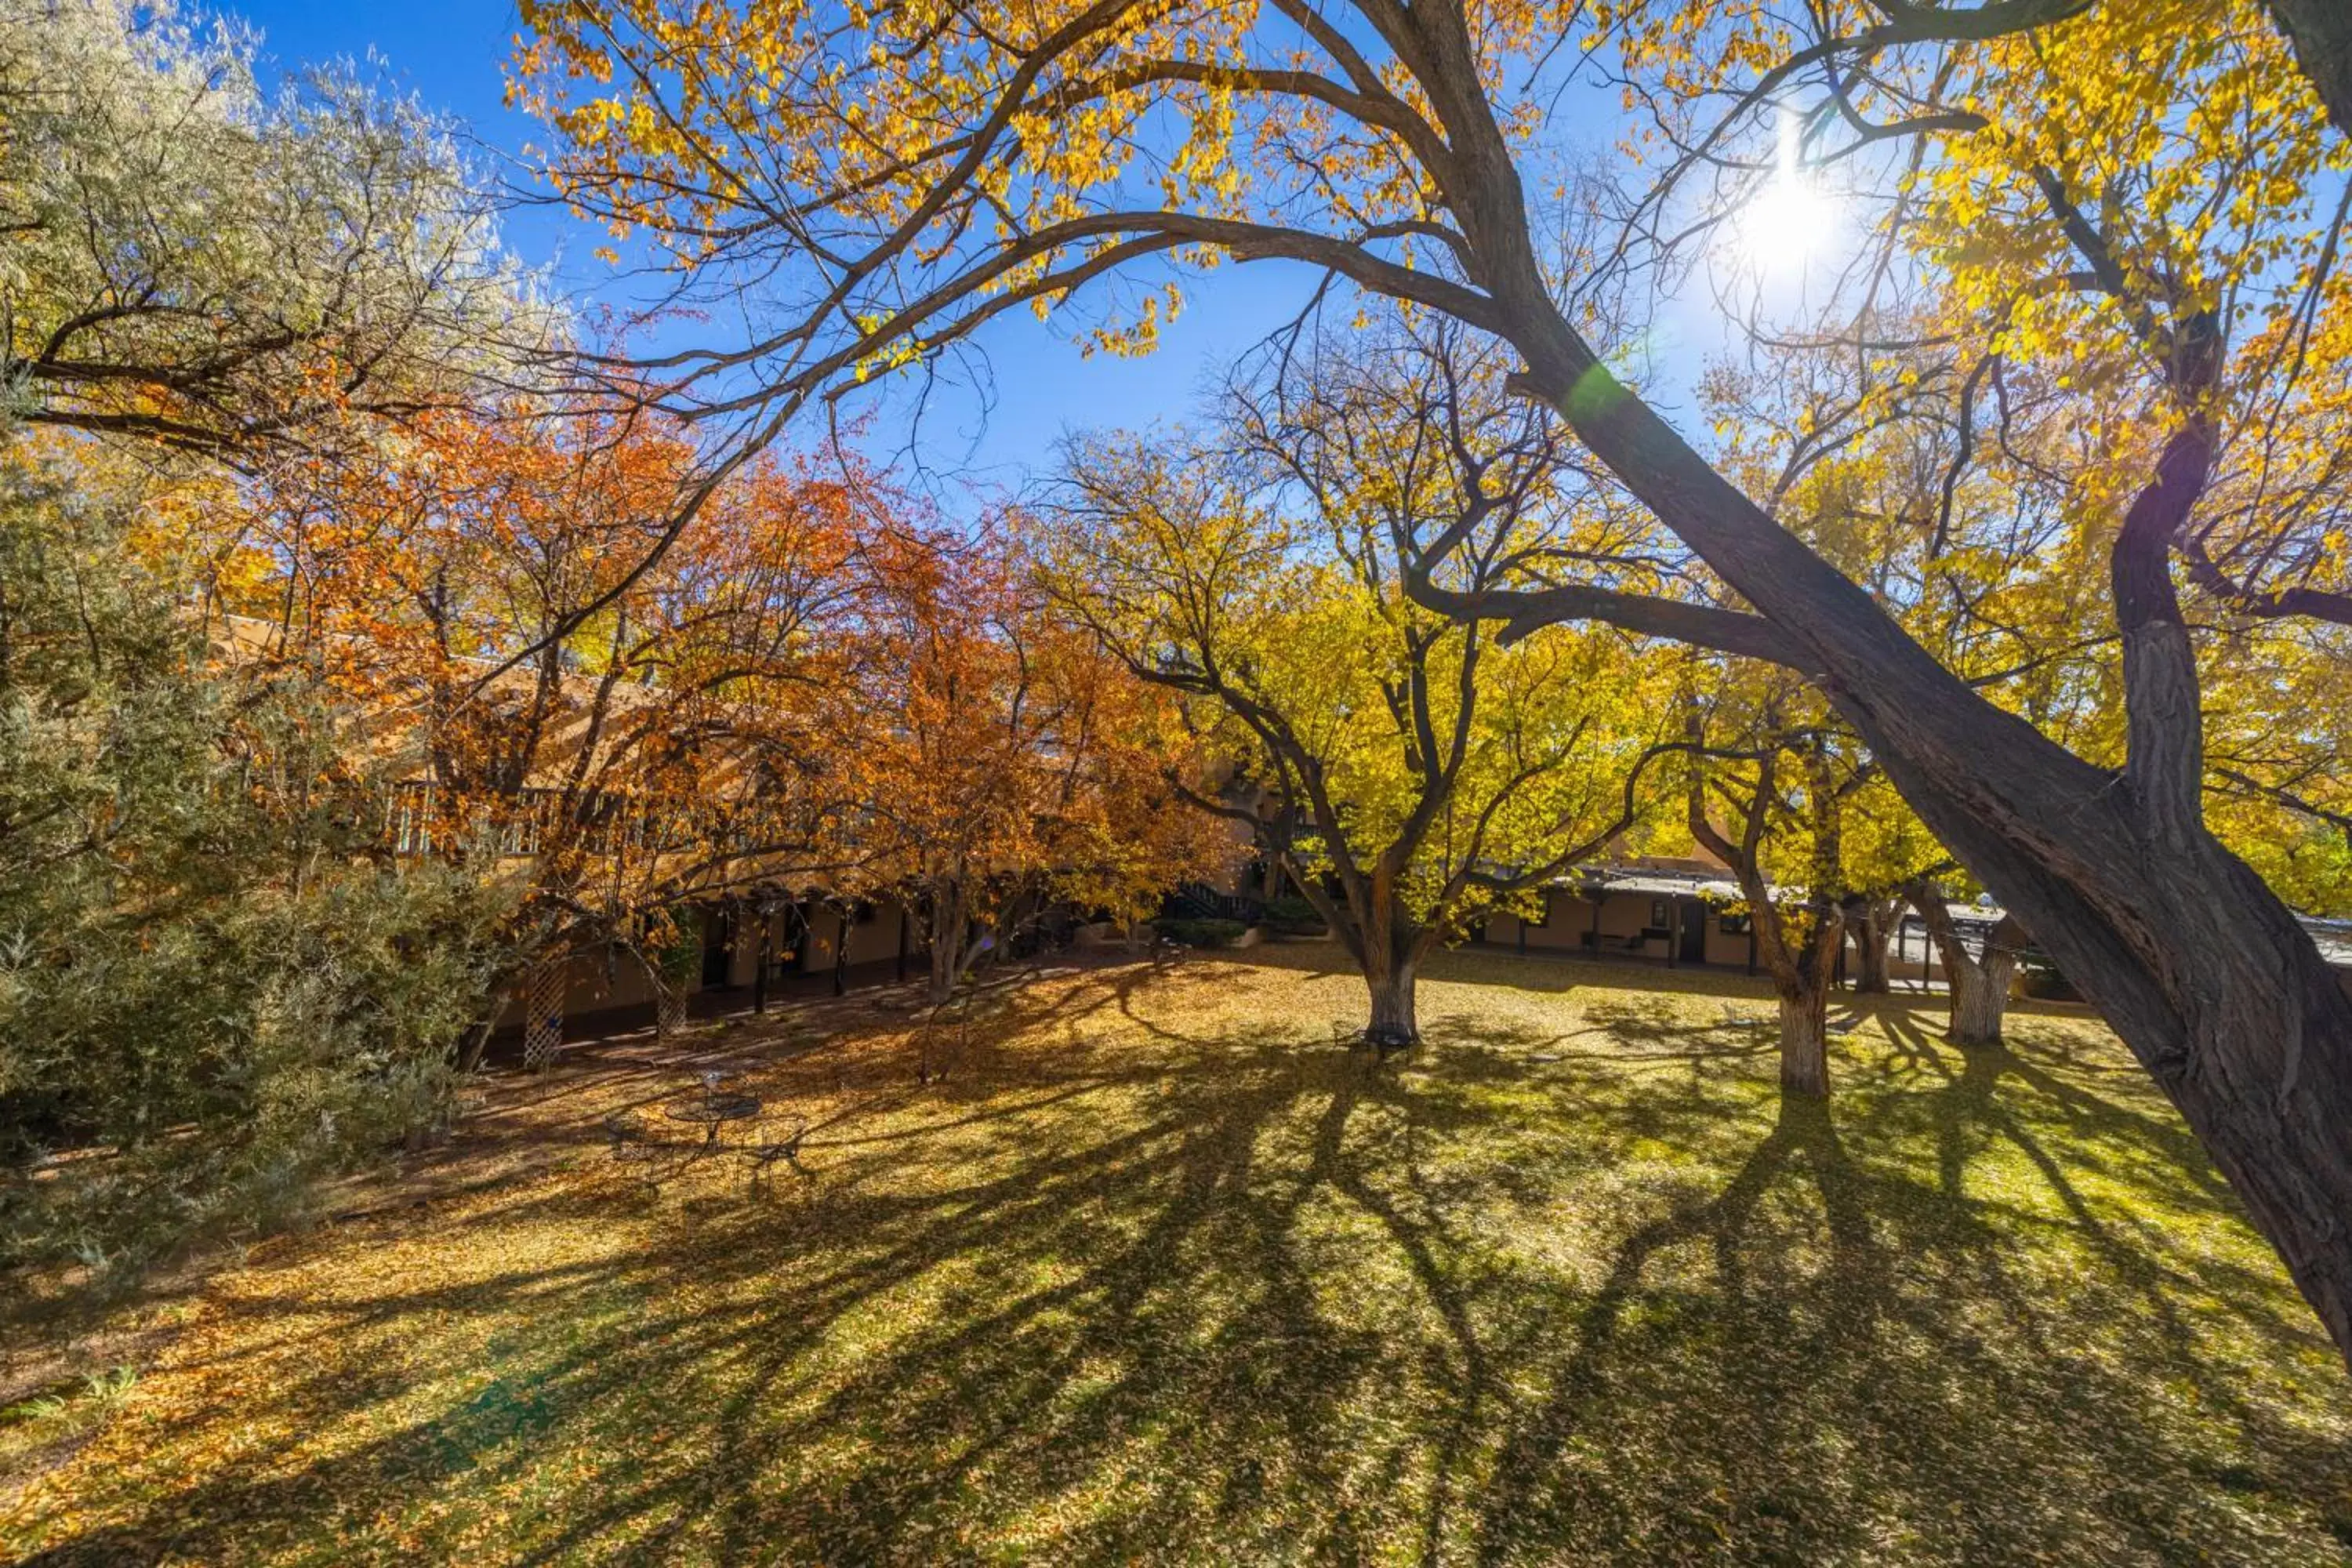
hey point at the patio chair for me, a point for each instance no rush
(640, 1149)
(780, 1141)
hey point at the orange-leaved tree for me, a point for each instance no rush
(1008, 772)
(621, 740)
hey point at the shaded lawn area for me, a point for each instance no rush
(1159, 1273)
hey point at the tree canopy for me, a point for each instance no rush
(880, 182)
(1409, 774)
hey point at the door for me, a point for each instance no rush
(1692, 918)
(718, 946)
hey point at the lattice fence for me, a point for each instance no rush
(669, 1008)
(543, 1028)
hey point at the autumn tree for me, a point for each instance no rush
(214, 988)
(204, 262)
(885, 181)
(1004, 769)
(623, 742)
(214, 992)
(1256, 570)
(1780, 799)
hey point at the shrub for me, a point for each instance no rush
(1200, 933)
(1292, 916)
(212, 988)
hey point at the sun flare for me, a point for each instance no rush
(1791, 219)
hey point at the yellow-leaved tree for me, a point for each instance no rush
(880, 182)
(1405, 771)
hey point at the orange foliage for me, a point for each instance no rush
(626, 727)
(1010, 764)
(816, 686)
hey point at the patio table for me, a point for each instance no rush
(712, 1111)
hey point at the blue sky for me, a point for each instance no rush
(452, 52)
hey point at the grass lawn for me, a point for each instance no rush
(1161, 1273)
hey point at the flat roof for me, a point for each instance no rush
(2333, 937)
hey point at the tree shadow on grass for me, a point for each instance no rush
(1229, 1297)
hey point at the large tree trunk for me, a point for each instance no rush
(1391, 951)
(1388, 948)
(1393, 1021)
(1803, 960)
(2321, 33)
(2202, 969)
(1979, 998)
(1873, 923)
(1979, 987)
(1804, 1040)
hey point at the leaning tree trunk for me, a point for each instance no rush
(2201, 969)
(2321, 34)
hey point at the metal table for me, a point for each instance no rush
(712, 1111)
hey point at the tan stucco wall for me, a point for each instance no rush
(1724, 947)
(870, 940)
(1621, 916)
(877, 939)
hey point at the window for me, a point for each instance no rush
(1731, 924)
(1662, 914)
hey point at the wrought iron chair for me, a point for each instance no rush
(778, 1142)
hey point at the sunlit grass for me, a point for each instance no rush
(1160, 1274)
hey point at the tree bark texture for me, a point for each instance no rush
(1805, 1041)
(1980, 999)
(1978, 986)
(1393, 1021)
(1388, 944)
(2321, 34)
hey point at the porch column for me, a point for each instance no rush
(767, 919)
